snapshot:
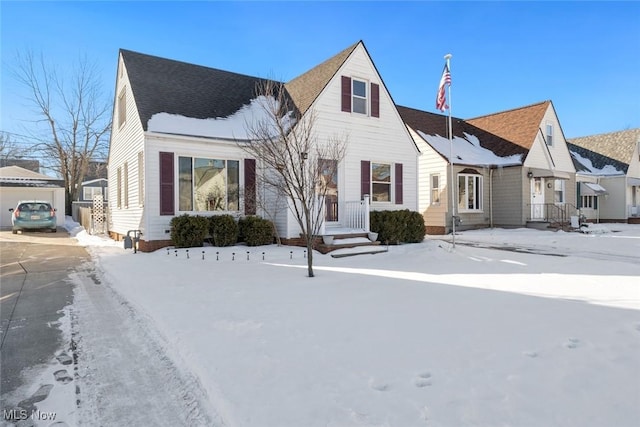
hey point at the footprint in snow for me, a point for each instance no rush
(423, 380)
(572, 343)
(64, 358)
(62, 376)
(378, 385)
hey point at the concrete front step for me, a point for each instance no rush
(345, 242)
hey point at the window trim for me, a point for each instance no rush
(434, 201)
(122, 107)
(479, 193)
(366, 97)
(563, 191)
(125, 177)
(119, 188)
(390, 183)
(93, 192)
(226, 161)
(549, 136)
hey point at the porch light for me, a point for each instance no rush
(529, 174)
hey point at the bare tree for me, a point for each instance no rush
(75, 115)
(293, 161)
(10, 149)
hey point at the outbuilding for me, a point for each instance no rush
(17, 184)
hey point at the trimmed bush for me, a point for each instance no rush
(223, 230)
(255, 231)
(188, 231)
(395, 227)
(415, 229)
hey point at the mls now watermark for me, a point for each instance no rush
(23, 414)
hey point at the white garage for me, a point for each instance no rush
(17, 184)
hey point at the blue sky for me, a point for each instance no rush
(584, 56)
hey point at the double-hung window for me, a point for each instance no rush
(359, 99)
(558, 191)
(380, 182)
(208, 184)
(549, 134)
(469, 192)
(435, 189)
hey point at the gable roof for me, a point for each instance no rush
(162, 85)
(305, 88)
(599, 163)
(519, 125)
(619, 145)
(16, 172)
(436, 124)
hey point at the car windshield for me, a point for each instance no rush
(30, 207)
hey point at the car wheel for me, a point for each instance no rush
(14, 231)
(54, 230)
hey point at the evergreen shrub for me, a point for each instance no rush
(188, 231)
(223, 230)
(395, 227)
(255, 231)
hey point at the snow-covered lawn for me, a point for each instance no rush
(420, 335)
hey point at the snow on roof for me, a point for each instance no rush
(592, 170)
(235, 126)
(468, 151)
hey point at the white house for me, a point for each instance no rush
(174, 143)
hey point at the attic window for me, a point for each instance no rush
(359, 96)
(122, 107)
(549, 134)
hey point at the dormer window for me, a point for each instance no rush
(549, 134)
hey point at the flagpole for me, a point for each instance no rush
(447, 57)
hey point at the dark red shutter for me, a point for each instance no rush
(365, 178)
(166, 184)
(398, 183)
(346, 94)
(249, 186)
(375, 100)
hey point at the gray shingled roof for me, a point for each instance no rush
(619, 145)
(162, 85)
(598, 160)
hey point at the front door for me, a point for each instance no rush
(537, 199)
(329, 177)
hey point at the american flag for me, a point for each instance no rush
(441, 101)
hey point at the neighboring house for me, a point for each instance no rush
(543, 189)
(174, 149)
(611, 160)
(510, 169)
(95, 182)
(18, 184)
(480, 159)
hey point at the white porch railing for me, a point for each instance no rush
(355, 214)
